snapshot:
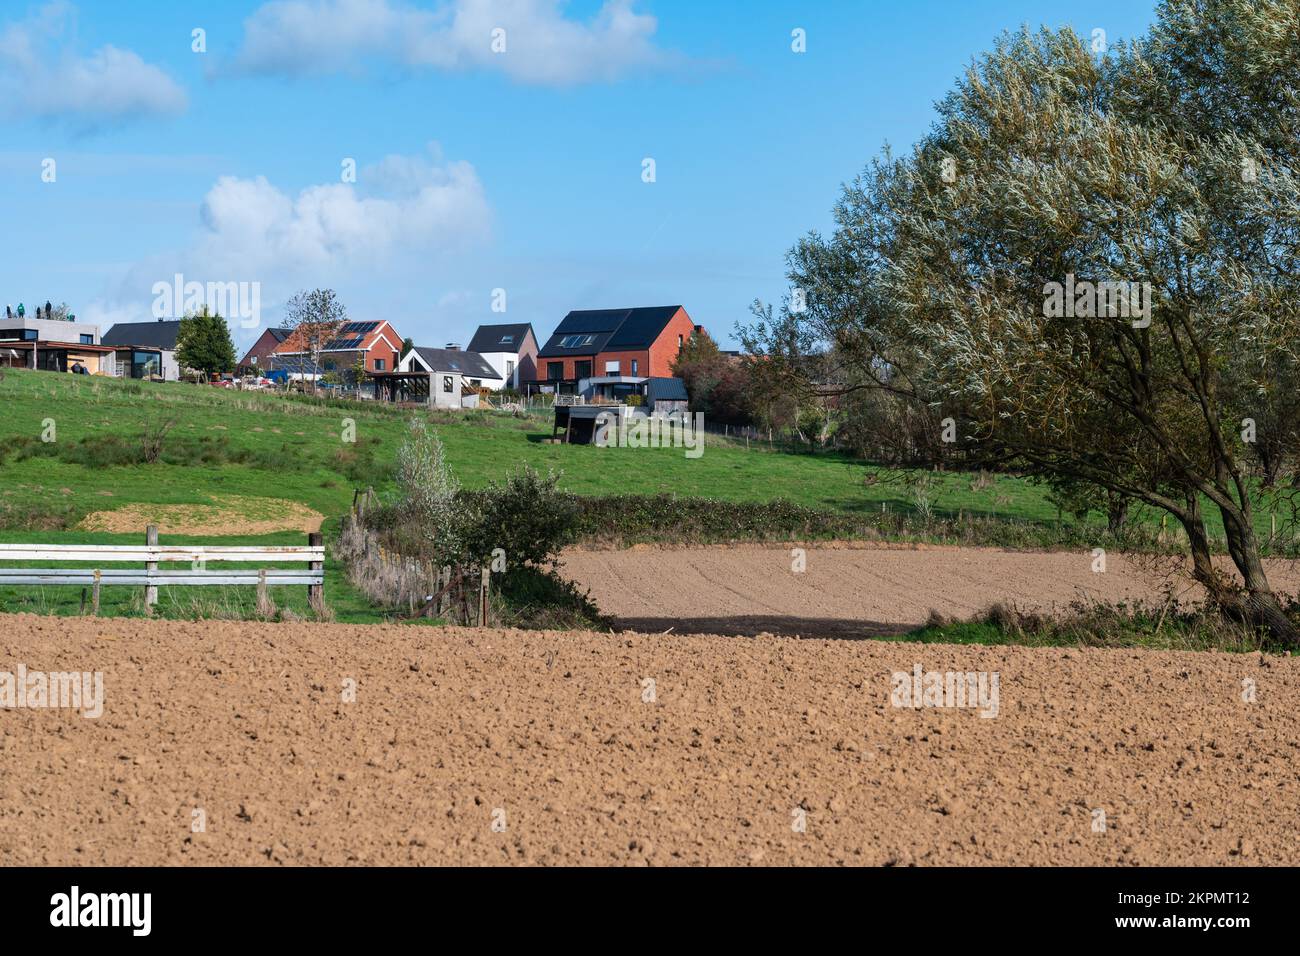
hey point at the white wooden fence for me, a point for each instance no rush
(153, 554)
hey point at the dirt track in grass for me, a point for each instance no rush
(245, 722)
(856, 590)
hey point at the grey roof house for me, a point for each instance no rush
(145, 349)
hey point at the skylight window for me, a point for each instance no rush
(575, 341)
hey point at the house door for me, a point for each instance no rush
(581, 370)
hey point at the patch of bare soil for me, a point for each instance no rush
(227, 514)
(1095, 757)
(863, 591)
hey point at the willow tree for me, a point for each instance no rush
(1091, 264)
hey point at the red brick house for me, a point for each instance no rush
(633, 343)
(377, 343)
(258, 357)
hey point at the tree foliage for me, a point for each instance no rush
(203, 342)
(1165, 168)
(316, 318)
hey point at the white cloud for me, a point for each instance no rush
(542, 46)
(401, 205)
(41, 76)
(406, 220)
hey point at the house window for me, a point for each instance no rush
(507, 339)
(145, 364)
(446, 384)
(379, 365)
(252, 359)
(613, 367)
(554, 371)
(575, 341)
(634, 363)
(680, 340)
(510, 369)
(87, 339)
(582, 370)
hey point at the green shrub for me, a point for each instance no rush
(526, 517)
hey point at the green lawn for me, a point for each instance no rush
(295, 450)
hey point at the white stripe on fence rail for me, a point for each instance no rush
(166, 552)
(114, 576)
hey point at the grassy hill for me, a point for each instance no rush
(270, 445)
(228, 466)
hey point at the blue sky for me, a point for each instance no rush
(476, 170)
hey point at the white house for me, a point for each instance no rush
(445, 378)
(510, 349)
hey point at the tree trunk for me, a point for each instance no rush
(1116, 511)
(1222, 592)
(1262, 606)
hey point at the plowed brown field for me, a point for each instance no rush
(557, 738)
(857, 590)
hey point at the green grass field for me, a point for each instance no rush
(266, 450)
(268, 445)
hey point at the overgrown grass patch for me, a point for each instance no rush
(1154, 627)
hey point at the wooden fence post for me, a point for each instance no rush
(263, 604)
(151, 590)
(316, 592)
(483, 596)
(95, 595)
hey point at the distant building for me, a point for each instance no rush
(146, 349)
(375, 344)
(54, 345)
(258, 358)
(510, 349)
(613, 343)
(444, 378)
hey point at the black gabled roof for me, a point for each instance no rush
(469, 364)
(642, 327)
(148, 335)
(623, 329)
(488, 338)
(280, 334)
(665, 389)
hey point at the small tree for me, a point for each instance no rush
(357, 372)
(316, 318)
(407, 346)
(427, 493)
(203, 343)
